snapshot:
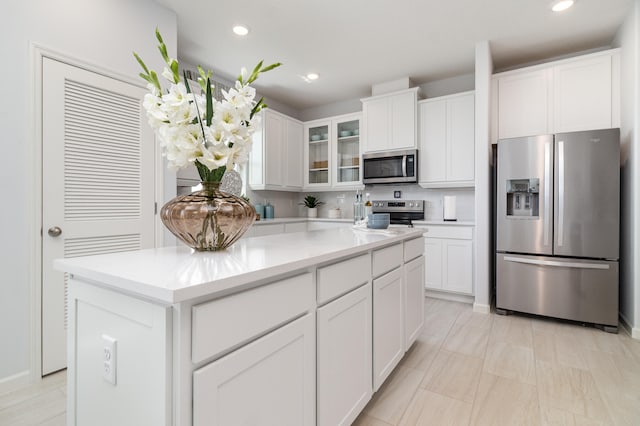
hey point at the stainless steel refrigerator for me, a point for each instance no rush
(558, 221)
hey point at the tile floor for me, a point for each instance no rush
(473, 369)
(465, 369)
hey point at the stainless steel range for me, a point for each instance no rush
(401, 212)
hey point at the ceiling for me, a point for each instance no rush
(353, 44)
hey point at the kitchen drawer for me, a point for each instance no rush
(413, 248)
(386, 259)
(455, 232)
(340, 278)
(224, 323)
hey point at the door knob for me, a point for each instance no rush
(54, 231)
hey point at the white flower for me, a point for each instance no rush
(214, 156)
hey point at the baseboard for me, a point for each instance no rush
(481, 309)
(454, 297)
(634, 332)
(17, 381)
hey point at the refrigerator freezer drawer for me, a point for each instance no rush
(574, 289)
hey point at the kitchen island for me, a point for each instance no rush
(290, 329)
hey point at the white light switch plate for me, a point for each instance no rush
(109, 358)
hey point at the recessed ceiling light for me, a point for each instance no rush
(312, 76)
(241, 30)
(561, 5)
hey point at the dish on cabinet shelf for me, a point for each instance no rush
(320, 164)
(345, 133)
(315, 138)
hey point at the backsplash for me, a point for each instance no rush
(465, 199)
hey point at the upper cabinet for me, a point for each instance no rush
(581, 93)
(447, 141)
(332, 153)
(389, 121)
(276, 155)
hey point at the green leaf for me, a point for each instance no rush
(142, 64)
(209, 97)
(204, 76)
(270, 67)
(174, 70)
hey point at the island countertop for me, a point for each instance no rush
(176, 274)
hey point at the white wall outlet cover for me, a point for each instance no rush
(109, 358)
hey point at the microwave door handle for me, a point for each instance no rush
(404, 165)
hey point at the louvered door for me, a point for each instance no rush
(97, 182)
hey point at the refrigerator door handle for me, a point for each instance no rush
(560, 193)
(557, 263)
(547, 192)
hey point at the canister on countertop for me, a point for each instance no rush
(260, 210)
(449, 211)
(268, 211)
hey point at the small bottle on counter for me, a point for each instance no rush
(260, 211)
(368, 207)
(268, 211)
(358, 208)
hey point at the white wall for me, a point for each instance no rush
(483, 256)
(100, 32)
(629, 41)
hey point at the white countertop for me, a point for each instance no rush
(176, 274)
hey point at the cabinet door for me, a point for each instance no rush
(346, 158)
(388, 325)
(458, 266)
(344, 357)
(317, 154)
(413, 300)
(523, 104)
(274, 148)
(268, 382)
(402, 110)
(433, 138)
(376, 124)
(582, 95)
(433, 263)
(293, 154)
(461, 139)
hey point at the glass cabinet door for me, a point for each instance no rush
(348, 151)
(318, 140)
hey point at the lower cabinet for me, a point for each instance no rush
(388, 325)
(270, 381)
(344, 357)
(449, 259)
(413, 300)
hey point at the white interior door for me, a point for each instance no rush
(97, 182)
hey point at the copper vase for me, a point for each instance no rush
(208, 219)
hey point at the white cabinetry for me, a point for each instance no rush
(449, 258)
(414, 274)
(276, 155)
(389, 121)
(332, 153)
(447, 141)
(581, 93)
(344, 357)
(270, 381)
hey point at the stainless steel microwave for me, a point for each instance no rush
(390, 167)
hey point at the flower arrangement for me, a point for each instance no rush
(197, 129)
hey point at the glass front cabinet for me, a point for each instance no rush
(332, 153)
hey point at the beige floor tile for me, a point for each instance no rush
(366, 420)
(624, 408)
(428, 408)
(48, 383)
(611, 343)
(570, 389)
(35, 410)
(422, 353)
(550, 416)
(393, 397)
(467, 340)
(511, 361)
(544, 324)
(468, 317)
(559, 348)
(502, 401)
(453, 375)
(60, 420)
(512, 329)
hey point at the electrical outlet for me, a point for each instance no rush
(109, 358)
